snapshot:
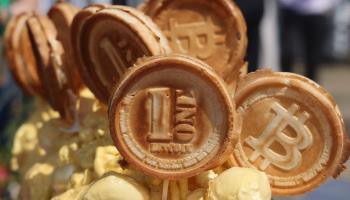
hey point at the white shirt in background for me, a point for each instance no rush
(310, 7)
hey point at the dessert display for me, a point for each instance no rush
(161, 108)
(299, 139)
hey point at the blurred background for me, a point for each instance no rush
(309, 37)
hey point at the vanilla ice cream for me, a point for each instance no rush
(240, 184)
(116, 187)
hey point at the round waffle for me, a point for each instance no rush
(110, 41)
(76, 27)
(213, 31)
(292, 130)
(171, 117)
(62, 15)
(20, 55)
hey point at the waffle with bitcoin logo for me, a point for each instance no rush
(212, 31)
(292, 130)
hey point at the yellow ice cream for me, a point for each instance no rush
(202, 180)
(240, 184)
(86, 165)
(116, 187)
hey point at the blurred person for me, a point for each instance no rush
(20, 6)
(4, 4)
(253, 11)
(10, 8)
(4, 178)
(82, 4)
(119, 2)
(132, 3)
(309, 20)
(340, 42)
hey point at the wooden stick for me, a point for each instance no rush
(183, 185)
(75, 126)
(165, 189)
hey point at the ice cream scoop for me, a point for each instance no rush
(240, 184)
(202, 180)
(116, 187)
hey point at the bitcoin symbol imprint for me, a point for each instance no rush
(273, 133)
(197, 39)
